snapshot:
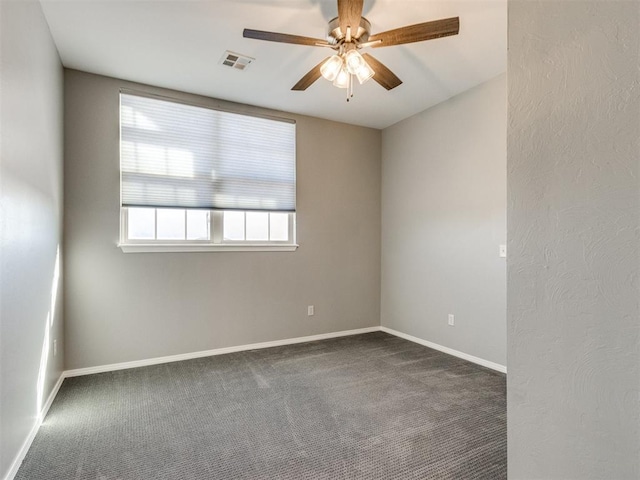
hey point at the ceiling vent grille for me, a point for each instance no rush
(236, 60)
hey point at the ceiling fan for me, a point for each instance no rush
(350, 32)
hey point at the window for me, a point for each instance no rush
(194, 178)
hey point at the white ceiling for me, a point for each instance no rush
(177, 44)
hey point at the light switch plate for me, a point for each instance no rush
(503, 251)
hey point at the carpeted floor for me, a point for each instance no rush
(369, 406)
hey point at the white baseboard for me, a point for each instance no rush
(218, 351)
(450, 351)
(15, 466)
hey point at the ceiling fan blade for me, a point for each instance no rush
(283, 38)
(349, 15)
(383, 75)
(417, 33)
(311, 76)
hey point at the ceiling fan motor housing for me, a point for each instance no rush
(336, 36)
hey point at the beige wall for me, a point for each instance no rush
(574, 240)
(123, 307)
(443, 219)
(31, 86)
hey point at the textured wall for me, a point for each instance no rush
(443, 218)
(122, 307)
(573, 225)
(30, 221)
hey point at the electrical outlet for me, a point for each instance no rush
(310, 311)
(55, 347)
(451, 320)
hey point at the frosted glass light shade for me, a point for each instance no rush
(354, 61)
(331, 68)
(364, 72)
(342, 80)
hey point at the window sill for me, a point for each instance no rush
(186, 247)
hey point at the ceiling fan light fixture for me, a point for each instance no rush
(354, 61)
(331, 68)
(364, 72)
(342, 80)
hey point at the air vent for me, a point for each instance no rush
(236, 60)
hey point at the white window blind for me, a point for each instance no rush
(183, 156)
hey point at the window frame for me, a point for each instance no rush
(216, 242)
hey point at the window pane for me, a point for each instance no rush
(197, 225)
(170, 224)
(279, 227)
(141, 223)
(233, 225)
(257, 226)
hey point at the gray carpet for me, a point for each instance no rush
(369, 406)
